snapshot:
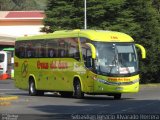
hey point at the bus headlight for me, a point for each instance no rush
(101, 81)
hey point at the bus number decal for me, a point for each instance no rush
(114, 37)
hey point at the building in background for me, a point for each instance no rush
(19, 23)
(15, 24)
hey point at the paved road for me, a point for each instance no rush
(147, 101)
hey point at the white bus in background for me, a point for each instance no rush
(6, 63)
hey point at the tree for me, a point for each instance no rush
(156, 4)
(10, 5)
(137, 18)
(63, 14)
(6, 5)
(147, 34)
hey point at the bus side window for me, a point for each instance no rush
(52, 48)
(19, 49)
(21, 52)
(52, 53)
(63, 48)
(30, 51)
(71, 51)
(38, 50)
(74, 49)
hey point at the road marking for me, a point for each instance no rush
(5, 103)
(6, 98)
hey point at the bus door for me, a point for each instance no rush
(88, 62)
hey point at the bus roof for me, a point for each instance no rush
(94, 35)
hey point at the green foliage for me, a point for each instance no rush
(10, 5)
(156, 4)
(6, 5)
(63, 14)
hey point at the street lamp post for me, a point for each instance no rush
(85, 14)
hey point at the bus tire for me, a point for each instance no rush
(77, 90)
(32, 88)
(117, 96)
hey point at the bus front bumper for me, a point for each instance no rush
(106, 88)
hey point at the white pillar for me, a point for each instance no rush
(85, 14)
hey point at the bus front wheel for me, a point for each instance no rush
(77, 90)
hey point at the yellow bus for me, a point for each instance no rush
(78, 62)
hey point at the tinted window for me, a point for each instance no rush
(1, 57)
(74, 48)
(52, 49)
(62, 48)
(30, 52)
(20, 49)
(39, 49)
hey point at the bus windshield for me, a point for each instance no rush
(1, 57)
(116, 58)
